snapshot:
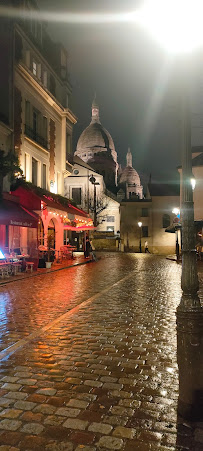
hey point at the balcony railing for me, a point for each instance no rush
(30, 133)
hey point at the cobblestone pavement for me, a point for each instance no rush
(93, 359)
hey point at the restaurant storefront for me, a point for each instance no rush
(18, 226)
(56, 215)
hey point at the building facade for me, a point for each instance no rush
(79, 188)
(155, 214)
(35, 110)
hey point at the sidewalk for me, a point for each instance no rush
(40, 271)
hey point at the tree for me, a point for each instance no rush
(101, 204)
(9, 165)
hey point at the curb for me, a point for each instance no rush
(44, 273)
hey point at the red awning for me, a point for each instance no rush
(81, 228)
(12, 213)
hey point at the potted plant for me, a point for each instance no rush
(49, 251)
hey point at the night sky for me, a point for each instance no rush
(134, 81)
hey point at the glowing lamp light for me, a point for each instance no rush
(176, 211)
(177, 25)
(193, 183)
(139, 224)
(2, 256)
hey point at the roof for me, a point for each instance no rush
(198, 161)
(197, 149)
(80, 162)
(130, 175)
(163, 189)
(31, 195)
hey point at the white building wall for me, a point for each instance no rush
(109, 207)
(33, 149)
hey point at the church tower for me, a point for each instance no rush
(131, 179)
(129, 159)
(95, 111)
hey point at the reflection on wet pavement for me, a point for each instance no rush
(105, 376)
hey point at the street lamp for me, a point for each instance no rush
(140, 226)
(94, 183)
(177, 26)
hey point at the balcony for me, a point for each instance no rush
(30, 133)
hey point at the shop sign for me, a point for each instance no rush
(21, 223)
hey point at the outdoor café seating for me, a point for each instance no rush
(67, 251)
(11, 268)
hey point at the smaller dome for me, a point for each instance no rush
(130, 176)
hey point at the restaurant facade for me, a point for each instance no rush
(30, 217)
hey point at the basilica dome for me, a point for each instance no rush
(94, 139)
(130, 176)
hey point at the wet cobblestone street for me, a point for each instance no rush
(89, 359)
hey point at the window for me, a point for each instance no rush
(110, 218)
(44, 176)
(34, 68)
(34, 171)
(145, 212)
(44, 129)
(76, 195)
(27, 112)
(110, 228)
(35, 122)
(25, 171)
(144, 231)
(166, 221)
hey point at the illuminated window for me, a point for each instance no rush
(26, 166)
(44, 176)
(34, 171)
